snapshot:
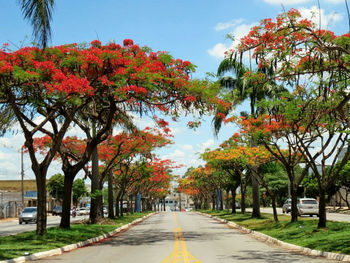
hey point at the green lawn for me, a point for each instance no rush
(16, 245)
(335, 238)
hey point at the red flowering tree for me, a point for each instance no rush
(121, 151)
(314, 113)
(101, 83)
(113, 151)
(202, 184)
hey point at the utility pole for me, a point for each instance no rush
(22, 175)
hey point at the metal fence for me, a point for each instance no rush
(10, 204)
(10, 209)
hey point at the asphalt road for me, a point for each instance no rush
(330, 216)
(181, 237)
(13, 227)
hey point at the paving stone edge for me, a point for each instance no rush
(271, 240)
(58, 251)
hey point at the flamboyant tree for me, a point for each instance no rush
(26, 79)
(55, 86)
(203, 183)
(314, 114)
(126, 146)
(232, 173)
(113, 151)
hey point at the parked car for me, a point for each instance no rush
(57, 211)
(287, 206)
(105, 211)
(28, 214)
(83, 211)
(306, 206)
(238, 205)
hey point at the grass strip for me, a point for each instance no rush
(334, 238)
(28, 242)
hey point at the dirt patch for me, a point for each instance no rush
(338, 210)
(3, 220)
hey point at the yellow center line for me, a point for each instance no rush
(180, 254)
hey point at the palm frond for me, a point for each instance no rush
(39, 14)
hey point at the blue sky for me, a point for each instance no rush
(192, 30)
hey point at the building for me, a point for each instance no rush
(11, 197)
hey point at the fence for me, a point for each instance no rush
(10, 204)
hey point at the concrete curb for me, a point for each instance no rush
(294, 248)
(58, 251)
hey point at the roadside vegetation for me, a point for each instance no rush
(56, 237)
(304, 232)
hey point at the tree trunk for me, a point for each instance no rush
(132, 204)
(127, 205)
(294, 204)
(227, 200)
(233, 200)
(121, 207)
(322, 209)
(221, 200)
(96, 198)
(41, 206)
(243, 195)
(110, 196)
(117, 203)
(275, 216)
(67, 197)
(255, 194)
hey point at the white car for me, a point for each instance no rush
(83, 211)
(308, 206)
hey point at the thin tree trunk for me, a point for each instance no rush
(117, 203)
(127, 205)
(243, 194)
(227, 200)
(214, 202)
(110, 196)
(121, 207)
(132, 204)
(275, 216)
(233, 200)
(67, 197)
(322, 209)
(221, 200)
(294, 198)
(95, 207)
(41, 206)
(255, 194)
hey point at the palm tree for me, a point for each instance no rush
(39, 14)
(239, 90)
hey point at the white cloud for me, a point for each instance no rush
(326, 19)
(239, 31)
(176, 155)
(286, 2)
(187, 147)
(203, 146)
(222, 26)
(218, 50)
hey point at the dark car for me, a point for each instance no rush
(28, 214)
(57, 211)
